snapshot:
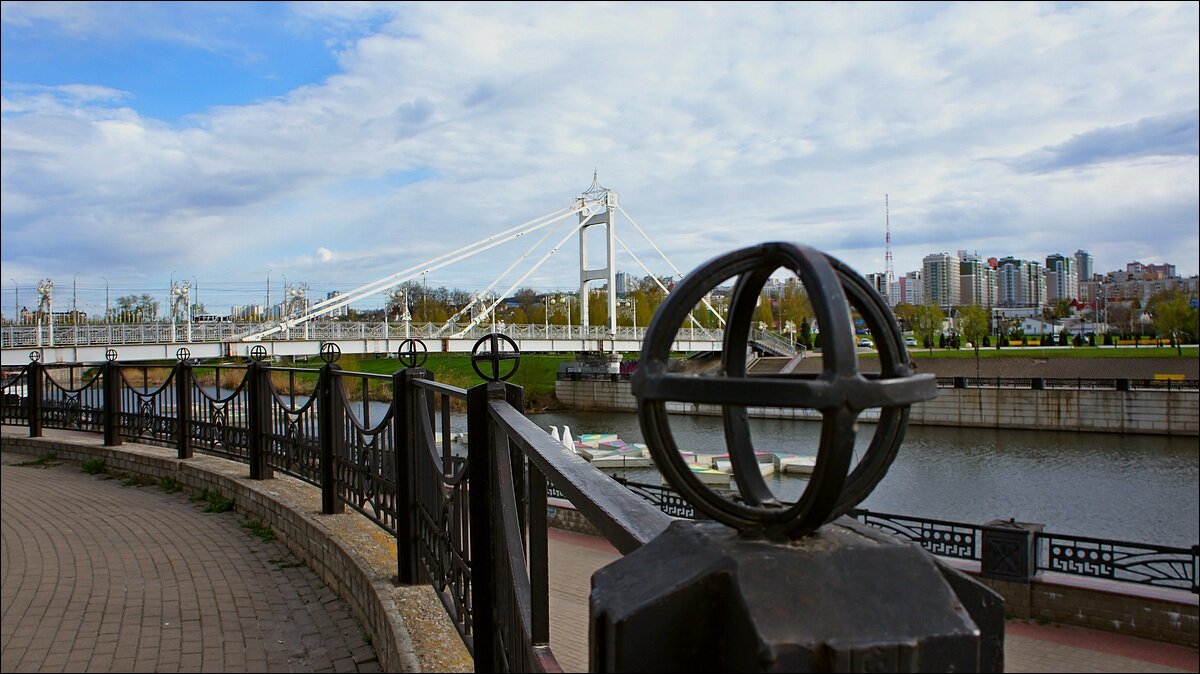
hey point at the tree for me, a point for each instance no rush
(1061, 308)
(973, 322)
(147, 306)
(1174, 316)
(927, 323)
(905, 313)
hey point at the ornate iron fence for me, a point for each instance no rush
(1118, 560)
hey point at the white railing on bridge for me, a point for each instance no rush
(27, 337)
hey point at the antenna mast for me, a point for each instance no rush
(888, 272)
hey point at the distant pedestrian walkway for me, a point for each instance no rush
(100, 577)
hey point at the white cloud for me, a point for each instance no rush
(720, 125)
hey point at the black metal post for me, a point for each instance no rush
(329, 434)
(1037, 384)
(112, 404)
(481, 495)
(34, 398)
(258, 398)
(183, 408)
(404, 434)
(1008, 550)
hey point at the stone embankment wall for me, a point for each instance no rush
(1094, 410)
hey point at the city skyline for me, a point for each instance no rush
(337, 143)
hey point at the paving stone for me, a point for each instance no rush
(93, 570)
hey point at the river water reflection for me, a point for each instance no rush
(1130, 487)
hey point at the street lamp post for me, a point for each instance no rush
(107, 318)
(75, 301)
(567, 299)
(631, 305)
(16, 312)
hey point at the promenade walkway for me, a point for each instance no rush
(97, 576)
(101, 577)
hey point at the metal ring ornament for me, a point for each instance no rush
(839, 392)
(183, 353)
(110, 355)
(330, 352)
(494, 356)
(35, 356)
(412, 353)
(258, 352)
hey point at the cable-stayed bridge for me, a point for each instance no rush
(301, 331)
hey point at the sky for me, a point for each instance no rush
(338, 143)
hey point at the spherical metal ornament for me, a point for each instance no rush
(839, 392)
(35, 356)
(487, 350)
(330, 352)
(183, 353)
(258, 352)
(412, 353)
(110, 355)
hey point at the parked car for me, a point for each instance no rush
(910, 341)
(863, 341)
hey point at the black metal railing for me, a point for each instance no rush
(470, 524)
(1139, 563)
(1070, 384)
(1143, 564)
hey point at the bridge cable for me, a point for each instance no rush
(665, 290)
(368, 289)
(526, 275)
(479, 295)
(668, 261)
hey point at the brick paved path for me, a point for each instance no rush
(97, 576)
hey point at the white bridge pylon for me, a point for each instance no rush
(597, 206)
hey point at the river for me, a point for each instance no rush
(1137, 488)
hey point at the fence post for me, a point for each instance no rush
(258, 399)
(34, 398)
(403, 434)
(183, 408)
(1008, 551)
(329, 435)
(112, 404)
(479, 480)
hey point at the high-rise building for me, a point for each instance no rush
(912, 289)
(942, 279)
(1022, 283)
(622, 283)
(978, 280)
(340, 311)
(880, 283)
(1062, 278)
(1084, 265)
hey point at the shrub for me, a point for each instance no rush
(92, 466)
